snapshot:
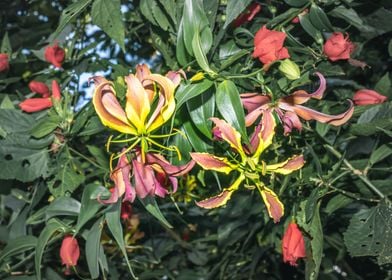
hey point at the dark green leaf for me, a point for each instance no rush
(234, 9)
(370, 233)
(229, 105)
(297, 3)
(195, 139)
(319, 19)
(93, 248)
(6, 45)
(200, 55)
(201, 108)
(45, 126)
(63, 206)
(310, 28)
(89, 207)
(18, 245)
(337, 202)
(186, 92)
(384, 85)
(151, 205)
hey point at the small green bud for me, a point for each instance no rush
(290, 69)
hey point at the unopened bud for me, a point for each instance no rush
(290, 69)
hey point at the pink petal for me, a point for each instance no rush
(211, 162)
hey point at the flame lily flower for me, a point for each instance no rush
(290, 108)
(143, 88)
(137, 178)
(249, 165)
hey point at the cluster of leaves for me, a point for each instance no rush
(54, 164)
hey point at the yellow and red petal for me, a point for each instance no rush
(108, 108)
(275, 208)
(288, 166)
(211, 162)
(222, 198)
(229, 134)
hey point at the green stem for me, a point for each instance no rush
(245, 75)
(86, 158)
(356, 171)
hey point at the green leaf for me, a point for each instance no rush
(6, 45)
(181, 52)
(311, 203)
(230, 106)
(94, 248)
(319, 19)
(92, 126)
(100, 156)
(151, 206)
(310, 28)
(234, 9)
(155, 14)
(63, 206)
(67, 180)
(69, 14)
(25, 159)
(89, 207)
(200, 55)
(384, 85)
(337, 202)
(112, 218)
(370, 233)
(45, 126)
(186, 92)
(390, 48)
(14, 121)
(107, 15)
(381, 153)
(200, 109)
(43, 239)
(373, 119)
(296, 3)
(195, 140)
(194, 21)
(6, 103)
(18, 245)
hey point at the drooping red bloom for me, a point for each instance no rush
(69, 251)
(252, 10)
(40, 88)
(55, 55)
(368, 97)
(293, 244)
(31, 105)
(269, 46)
(4, 63)
(338, 47)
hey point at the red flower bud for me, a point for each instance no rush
(338, 47)
(56, 91)
(368, 97)
(31, 105)
(55, 55)
(69, 251)
(126, 210)
(40, 88)
(269, 46)
(293, 244)
(248, 15)
(4, 64)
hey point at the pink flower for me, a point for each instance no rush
(69, 252)
(269, 46)
(293, 244)
(4, 63)
(368, 97)
(338, 47)
(55, 55)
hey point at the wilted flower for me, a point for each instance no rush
(55, 55)
(290, 109)
(31, 105)
(293, 244)
(137, 178)
(69, 251)
(338, 47)
(269, 46)
(368, 97)
(4, 63)
(249, 166)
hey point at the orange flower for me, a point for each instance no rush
(269, 46)
(69, 251)
(293, 244)
(55, 55)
